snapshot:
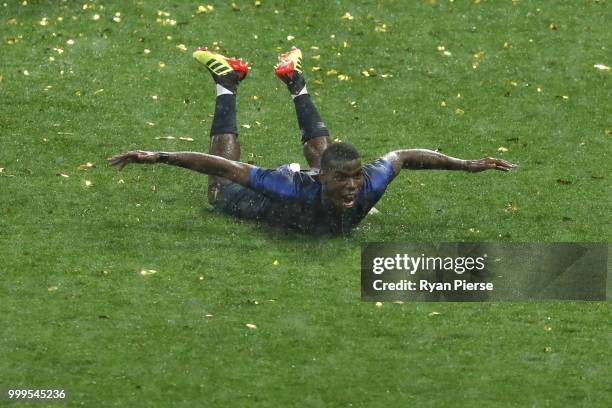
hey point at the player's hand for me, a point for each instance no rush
(136, 156)
(490, 163)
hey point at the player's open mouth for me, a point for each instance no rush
(348, 201)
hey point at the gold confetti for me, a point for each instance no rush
(186, 139)
(120, 181)
(275, 262)
(52, 288)
(246, 126)
(235, 7)
(251, 326)
(443, 104)
(1, 169)
(88, 183)
(165, 138)
(385, 75)
(154, 97)
(381, 28)
(343, 77)
(511, 207)
(70, 42)
(316, 57)
(565, 97)
(379, 304)
(290, 38)
(182, 47)
(315, 69)
(86, 166)
(337, 140)
(552, 26)
(257, 3)
(502, 149)
(459, 111)
(332, 72)
(601, 67)
(98, 91)
(347, 16)
(161, 64)
(147, 272)
(314, 48)
(95, 17)
(208, 315)
(397, 302)
(44, 21)
(26, 72)
(434, 314)
(547, 349)
(513, 83)
(608, 132)
(63, 175)
(547, 328)
(365, 73)
(147, 51)
(205, 9)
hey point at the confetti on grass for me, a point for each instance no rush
(251, 326)
(204, 9)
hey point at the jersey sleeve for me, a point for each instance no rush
(283, 183)
(377, 176)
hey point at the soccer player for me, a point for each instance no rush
(332, 197)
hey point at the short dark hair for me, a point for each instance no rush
(338, 152)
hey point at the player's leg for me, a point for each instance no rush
(227, 74)
(315, 136)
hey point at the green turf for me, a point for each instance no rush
(76, 313)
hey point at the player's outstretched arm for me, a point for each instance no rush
(421, 159)
(200, 162)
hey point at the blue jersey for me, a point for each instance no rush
(294, 199)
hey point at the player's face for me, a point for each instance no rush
(342, 182)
